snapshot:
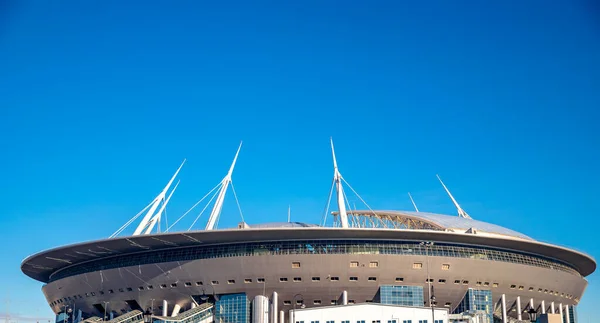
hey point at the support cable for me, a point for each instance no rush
(188, 211)
(131, 221)
(237, 201)
(328, 203)
(204, 209)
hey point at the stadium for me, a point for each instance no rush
(405, 266)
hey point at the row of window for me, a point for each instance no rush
(315, 247)
(299, 279)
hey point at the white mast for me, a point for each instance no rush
(216, 211)
(158, 215)
(160, 198)
(461, 212)
(337, 177)
(413, 202)
(289, 213)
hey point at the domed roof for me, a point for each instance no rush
(443, 222)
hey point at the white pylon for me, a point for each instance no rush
(461, 212)
(150, 216)
(216, 211)
(337, 177)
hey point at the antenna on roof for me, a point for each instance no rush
(337, 178)
(216, 211)
(461, 212)
(289, 213)
(413, 202)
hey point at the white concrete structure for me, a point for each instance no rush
(260, 309)
(368, 312)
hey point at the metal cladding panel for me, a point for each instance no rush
(42, 265)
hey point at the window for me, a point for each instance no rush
(297, 279)
(531, 289)
(513, 286)
(521, 287)
(353, 279)
(141, 288)
(214, 282)
(231, 281)
(353, 264)
(372, 279)
(299, 302)
(260, 280)
(247, 280)
(376, 321)
(363, 321)
(465, 282)
(317, 302)
(333, 302)
(283, 279)
(429, 280)
(351, 301)
(406, 321)
(422, 321)
(495, 285)
(373, 264)
(392, 321)
(110, 291)
(314, 321)
(448, 304)
(399, 279)
(486, 284)
(121, 290)
(129, 289)
(417, 265)
(198, 283)
(296, 264)
(188, 284)
(163, 285)
(316, 279)
(334, 279)
(478, 284)
(445, 266)
(173, 285)
(287, 303)
(329, 321)
(442, 281)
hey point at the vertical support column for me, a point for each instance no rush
(165, 306)
(567, 314)
(519, 312)
(345, 298)
(543, 305)
(504, 319)
(560, 311)
(274, 311)
(552, 310)
(193, 305)
(281, 317)
(176, 310)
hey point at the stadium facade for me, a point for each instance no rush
(455, 267)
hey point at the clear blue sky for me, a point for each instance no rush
(101, 100)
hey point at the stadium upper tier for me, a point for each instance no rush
(52, 264)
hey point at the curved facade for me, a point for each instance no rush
(451, 254)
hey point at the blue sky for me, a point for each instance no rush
(101, 100)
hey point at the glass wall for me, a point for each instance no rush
(319, 247)
(232, 308)
(572, 315)
(401, 295)
(477, 301)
